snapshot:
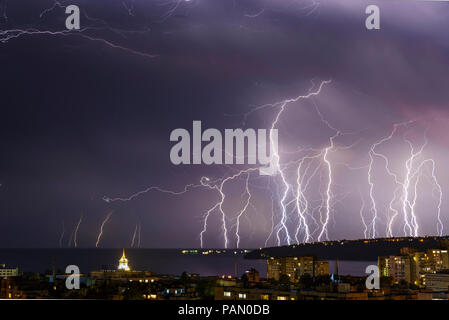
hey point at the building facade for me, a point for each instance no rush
(413, 266)
(8, 272)
(438, 282)
(399, 268)
(296, 267)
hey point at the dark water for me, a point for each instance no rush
(162, 261)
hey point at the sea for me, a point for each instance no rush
(160, 261)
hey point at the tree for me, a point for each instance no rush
(386, 282)
(284, 279)
(184, 278)
(306, 281)
(245, 280)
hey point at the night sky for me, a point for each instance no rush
(88, 114)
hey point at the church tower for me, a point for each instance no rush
(123, 263)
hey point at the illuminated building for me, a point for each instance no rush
(306, 265)
(438, 259)
(399, 268)
(321, 267)
(438, 282)
(123, 273)
(252, 275)
(8, 272)
(276, 267)
(123, 263)
(273, 269)
(420, 267)
(10, 290)
(238, 293)
(382, 264)
(412, 266)
(296, 267)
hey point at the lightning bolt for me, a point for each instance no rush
(135, 242)
(147, 190)
(61, 238)
(219, 205)
(440, 198)
(10, 34)
(328, 189)
(100, 234)
(362, 208)
(75, 234)
(7, 35)
(275, 163)
(406, 190)
(245, 207)
(372, 154)
(290, 201)
(134, 235)
(277, 170)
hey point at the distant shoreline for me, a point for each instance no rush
(352, 250)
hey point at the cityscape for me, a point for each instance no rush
(411, 274)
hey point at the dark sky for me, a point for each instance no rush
(87, 114)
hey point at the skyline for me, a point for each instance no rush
(87, 117)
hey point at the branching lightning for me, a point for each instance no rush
(406, 191)
(14, 33)
(292, 204)
(295, 215)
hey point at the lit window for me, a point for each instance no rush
(227, 294)
(282, 298)
(242, 295)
